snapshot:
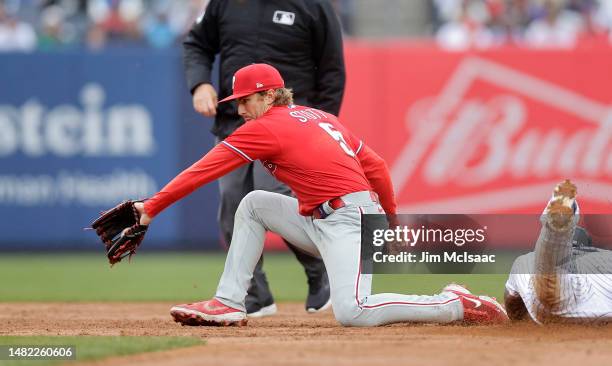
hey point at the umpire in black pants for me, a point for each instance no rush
(303, 40)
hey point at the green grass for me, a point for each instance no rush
(95, 348)
(176, 277)
(168, 277)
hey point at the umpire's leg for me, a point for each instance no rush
(318, 283)
(233, 187)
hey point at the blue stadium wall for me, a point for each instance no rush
(79, 132)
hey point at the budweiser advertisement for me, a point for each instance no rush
(484, 132)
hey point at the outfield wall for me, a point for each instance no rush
(488, 131)
(79, 132)
(473, 132)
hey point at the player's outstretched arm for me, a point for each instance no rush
(123, 227)
(251, 141)
(216, 163)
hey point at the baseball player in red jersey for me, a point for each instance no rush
(334, 176)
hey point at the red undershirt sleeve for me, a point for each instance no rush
(216, 163)
(375, 169)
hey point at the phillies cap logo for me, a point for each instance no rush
(233, 81)
(259, 85)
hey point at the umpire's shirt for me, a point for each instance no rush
(301, 38)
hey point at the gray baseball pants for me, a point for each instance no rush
(233, 187)
(336, 239)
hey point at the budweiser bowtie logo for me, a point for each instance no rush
(496, 139)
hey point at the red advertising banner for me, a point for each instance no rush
(485, 132)
(488, 131)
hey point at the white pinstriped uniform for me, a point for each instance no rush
(585, 295)
(585, 277)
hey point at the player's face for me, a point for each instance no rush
(253, 106)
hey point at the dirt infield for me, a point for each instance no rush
(296, 338)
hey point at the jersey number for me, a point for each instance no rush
(337, 135)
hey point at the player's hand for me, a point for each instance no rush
(144, 218)
(205, 100)
(394, 247)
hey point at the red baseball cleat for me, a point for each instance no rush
(208, 313)
(478, 309)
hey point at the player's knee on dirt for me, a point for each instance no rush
(347, 312)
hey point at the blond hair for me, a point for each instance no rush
(282, 96)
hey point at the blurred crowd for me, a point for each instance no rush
(461, 24)
(28, 25)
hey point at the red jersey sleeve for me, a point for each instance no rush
(354, 142)
(253, 141)
(375, 169)
(216, 163)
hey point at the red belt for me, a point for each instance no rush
(335, 204)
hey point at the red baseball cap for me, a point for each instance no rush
(254, 78)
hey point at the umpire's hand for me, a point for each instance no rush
(205, 100)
